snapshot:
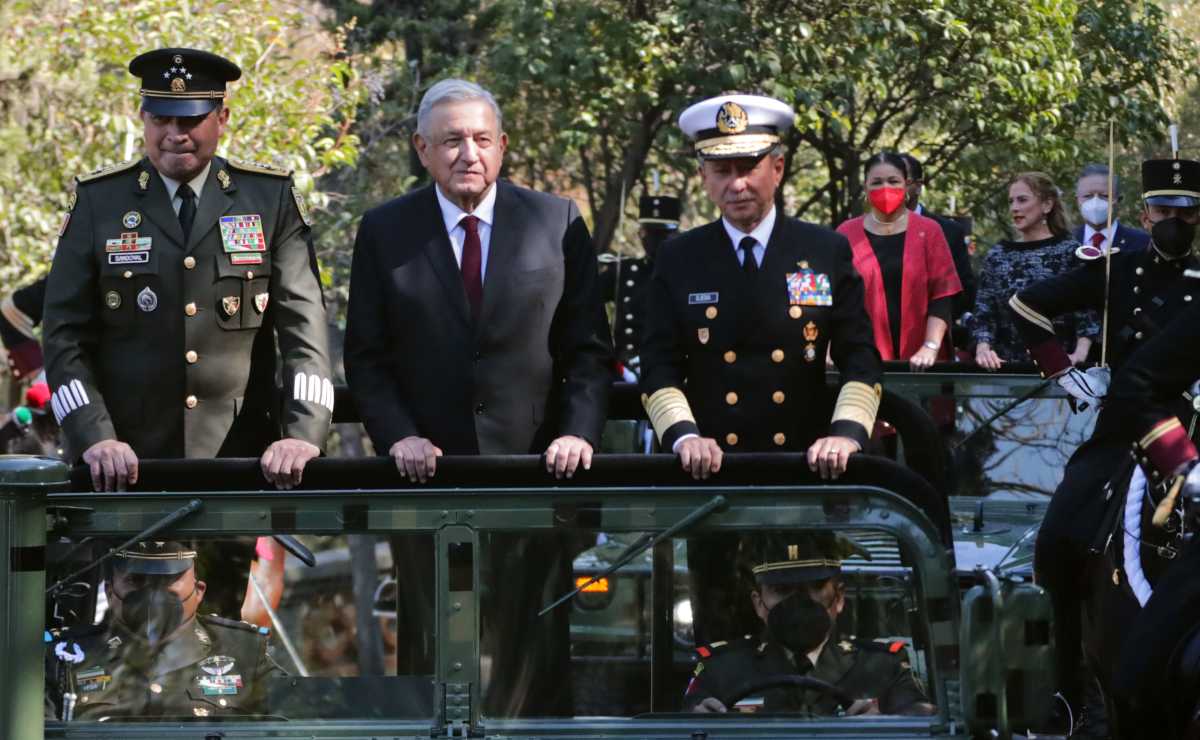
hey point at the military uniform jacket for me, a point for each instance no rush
(752, 357)
(169, 345)
(626, 281)
(213, 667)
(865, 670)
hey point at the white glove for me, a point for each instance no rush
(1085, 387)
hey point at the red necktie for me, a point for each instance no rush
(472, 263)
(1098, 239)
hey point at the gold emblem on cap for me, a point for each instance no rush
(178, 85)
(732, 118)
(144, 180)
(223, 179)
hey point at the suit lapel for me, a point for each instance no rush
(436, 245)
(214, 202)
(503, 246)
(156, 204)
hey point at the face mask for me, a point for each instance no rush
(1095, 211)
(799, 623)
(887, 200)
(1173, 237)
(152, 613)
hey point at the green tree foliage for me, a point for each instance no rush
(68, 104)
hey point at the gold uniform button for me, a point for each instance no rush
(777, 396)
(156, 688)
(191, 356)
(128, 274)
(780, 438)
(710, 312)
(190, 402)
(1137, 335)
(222, 702)
(249, 274)
(189, 262)
(731, 357)
(731, 439)
(777, 355)
(1138, 271)
(731, 398)
(190, 309)
(795, 312)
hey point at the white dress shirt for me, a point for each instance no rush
(196, 184)
(1108, 234)
(761, 235)
(452, 215)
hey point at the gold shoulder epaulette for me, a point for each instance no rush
(106, 170)
(259, 167)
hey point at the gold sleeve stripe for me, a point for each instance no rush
(667, 407)
(1029, 314)
(858, 402)
(789, 564)
(18, 318)
(1160, 429)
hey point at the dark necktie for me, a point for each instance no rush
(187, 209)
(749, 265)
(472, 264)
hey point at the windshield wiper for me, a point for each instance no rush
(642, 544)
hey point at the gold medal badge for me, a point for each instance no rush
(732, 118)
(260, 302)
(702, 334)
(230, 305)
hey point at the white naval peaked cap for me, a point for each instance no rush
(730, 126)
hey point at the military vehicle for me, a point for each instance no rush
(947, 524)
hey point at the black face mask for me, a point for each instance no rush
(1173, 237)
(152, 613)
(799, 623)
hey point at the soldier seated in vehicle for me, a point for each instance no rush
(799, 595)
(153, 655)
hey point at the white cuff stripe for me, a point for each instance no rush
(314, 389)
(69, 397)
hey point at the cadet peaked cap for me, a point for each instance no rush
(1171, 182)
(155, 559)
(803, 557)
(659, 210)
(732, 126)
(182, 82)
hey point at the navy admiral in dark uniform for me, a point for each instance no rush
(174, 276)
(742, 311)
(626, 280)
(154, 656)
(798, 596)
(1148, 287)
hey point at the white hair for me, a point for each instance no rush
(453, 91)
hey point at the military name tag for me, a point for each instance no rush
(243, 234)
(220, 685)
(92, 684)
(699, 299)
(246, 259)
(128, 242)
(129, 258)
(813, 288)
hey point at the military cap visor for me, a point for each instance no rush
(736, 126)
(182, 82)
(659, 210)
(804, 557)
(155, 559)
(1171, 182)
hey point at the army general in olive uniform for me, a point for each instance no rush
(173, 276)
(154, 656)
(798, 596)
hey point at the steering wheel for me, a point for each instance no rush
(795, 680)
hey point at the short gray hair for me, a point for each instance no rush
(453, 91)
(1095, 168)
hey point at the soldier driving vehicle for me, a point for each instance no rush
(173, 277)
(798, 596)
(154, 656)
(1146, 288)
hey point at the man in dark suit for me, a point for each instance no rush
(1091, 196)
(475, 327)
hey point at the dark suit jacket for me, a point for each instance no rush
(1128, 238)
(535, 366)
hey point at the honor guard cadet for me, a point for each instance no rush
(1147, 288)
(743, 310)
(20, 313)
(798, 596)
(626, 280)
(154, 656)
(174, 276)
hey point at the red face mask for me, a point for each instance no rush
(887, 200)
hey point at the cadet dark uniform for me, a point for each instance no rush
(209, 666)
(146, 325)
(20, 313)
(861, 669)
(1147, 289)
(626, 280)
